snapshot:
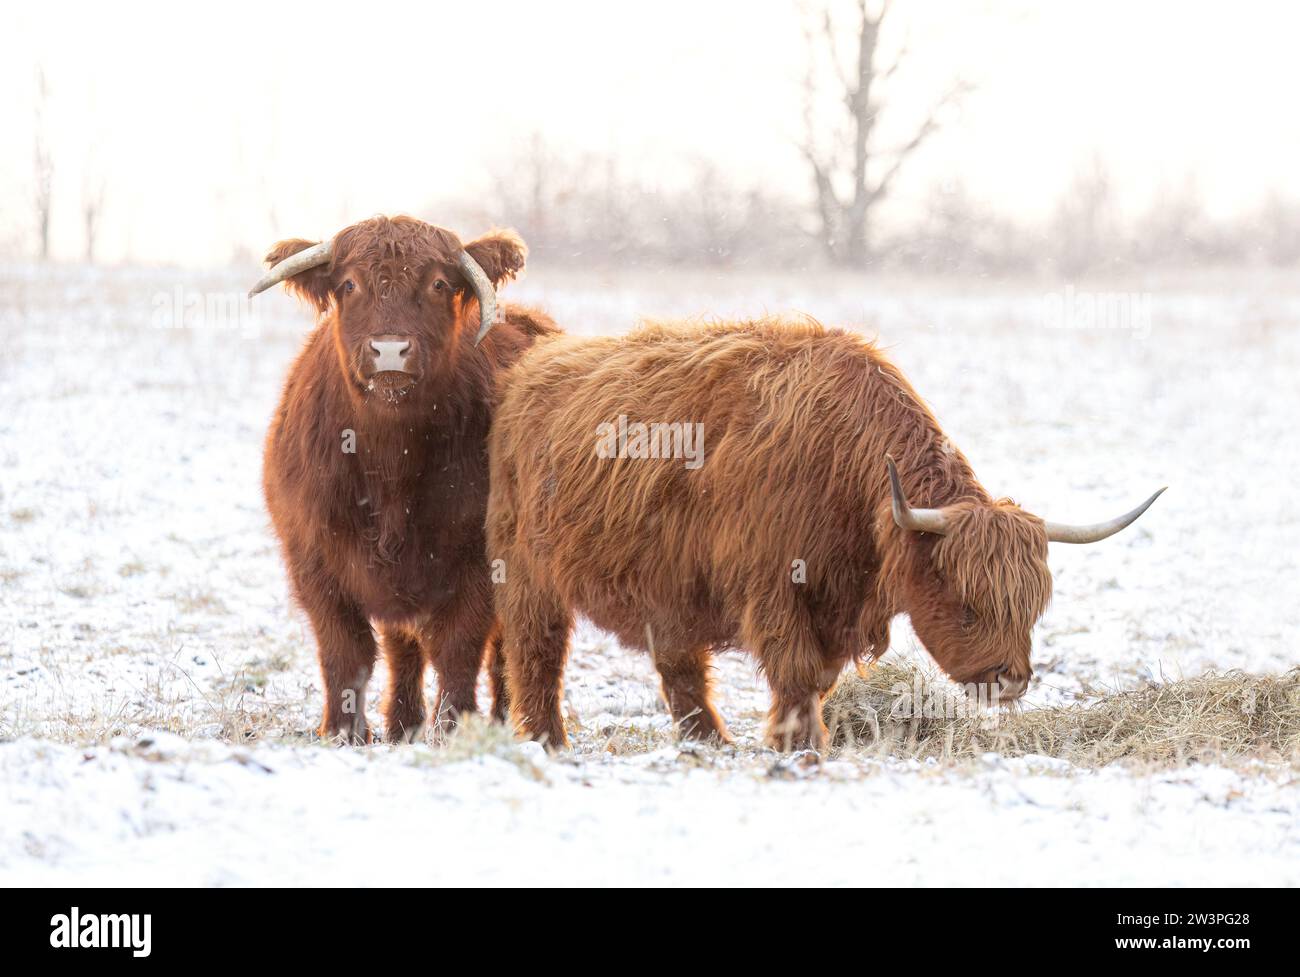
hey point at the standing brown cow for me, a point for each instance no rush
(782, 527)
(375, 468)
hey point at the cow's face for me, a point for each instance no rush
(397, 302)
(396, 320)
(976, 592)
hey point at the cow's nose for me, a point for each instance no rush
(1011, 688)
(395, 344)
(391, 353)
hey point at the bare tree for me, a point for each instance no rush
(717, 216)
(44, 169)
(853, 175)
(713, 220)
(1085, 228)
(539, 176)
(960, 233)
(1175, 229)
(533, 189)
(1277, 227)
(92, 208)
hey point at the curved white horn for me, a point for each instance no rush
(487, 295)
(917, 520)
(317, 254)
(1060, 532)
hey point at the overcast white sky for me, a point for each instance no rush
(198, 117)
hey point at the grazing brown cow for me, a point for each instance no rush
(782, 536)
(375, 469)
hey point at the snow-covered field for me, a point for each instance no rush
(157, 690)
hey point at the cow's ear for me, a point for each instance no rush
(313, 284)
(501, 254)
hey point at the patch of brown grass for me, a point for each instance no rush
(1215, 716)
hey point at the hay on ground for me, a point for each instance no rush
(1216, 716)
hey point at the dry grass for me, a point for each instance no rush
(1229, 716)
(473, 738)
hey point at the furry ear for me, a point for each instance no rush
(312, 284)
(500, 253)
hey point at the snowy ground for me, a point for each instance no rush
(157, 691)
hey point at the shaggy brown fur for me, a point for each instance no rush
(377, 481)
(797, 420)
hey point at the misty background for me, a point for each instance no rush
(990, 138)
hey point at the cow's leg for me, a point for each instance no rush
(454, 639)
(795, 720)
(536, 628)
(685, 678)
(799, 671)
(497, 674)
(346, 649)
(404, 712)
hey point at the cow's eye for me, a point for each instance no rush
(439, 285)
(967, 617)
(349, 286)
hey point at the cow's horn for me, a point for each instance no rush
(317, 254)
(918, 520)
(487, 295)
(1059, 532)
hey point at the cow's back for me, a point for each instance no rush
(689, 544)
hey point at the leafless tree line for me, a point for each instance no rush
(1086, 233)
(587, 210)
